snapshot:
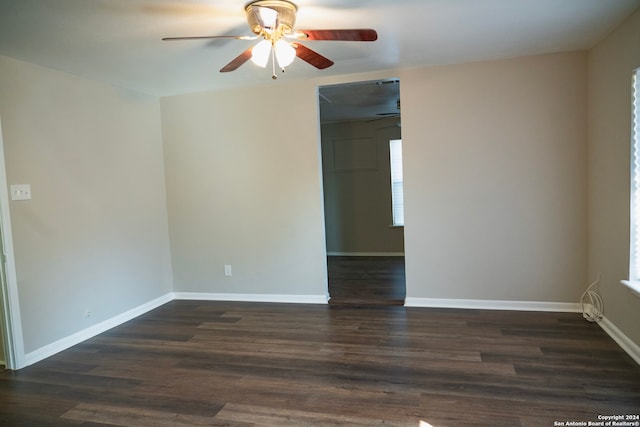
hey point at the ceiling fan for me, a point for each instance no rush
(274, 21)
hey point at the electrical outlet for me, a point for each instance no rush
(227, 270)
(87, 313)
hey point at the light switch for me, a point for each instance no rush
(21, 192)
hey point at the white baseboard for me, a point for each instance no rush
(619, 337)
(365, 253)
(493, 304)
(83, 335)
(293, 299)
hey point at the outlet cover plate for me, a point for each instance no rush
(21, 192)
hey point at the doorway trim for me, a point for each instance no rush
(13, 339)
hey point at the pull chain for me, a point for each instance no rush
(273, 62)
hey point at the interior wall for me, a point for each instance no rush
(357, 187)
(611, 64)
(94, 236)
(494, 165)
(495, 172)
(244, 189)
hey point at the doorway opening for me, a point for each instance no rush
(360, 129)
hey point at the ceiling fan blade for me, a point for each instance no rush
(209, 37)
(312, 57)
(237, 61)
(355, 35)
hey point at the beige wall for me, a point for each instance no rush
(94, 236)
(610, 68)
(495, 172)
(244, 189)
(357, 187)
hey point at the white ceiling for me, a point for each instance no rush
(119, 41)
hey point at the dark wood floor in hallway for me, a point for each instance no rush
(196, 363)
(378, 280)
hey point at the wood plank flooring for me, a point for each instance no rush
(367, 280)
(199, 363)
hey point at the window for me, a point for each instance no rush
(397, 192)
(634, 252)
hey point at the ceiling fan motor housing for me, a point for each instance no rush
(286, 15)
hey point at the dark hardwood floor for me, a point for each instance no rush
(195, 363)
(366, 280)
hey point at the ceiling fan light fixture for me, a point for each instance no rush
(285, 53)
(260, 53)
(283, 11)
(274, 20)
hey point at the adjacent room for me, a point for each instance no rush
(202, 221)
(362, 185)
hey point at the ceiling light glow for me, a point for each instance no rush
(285, 53)
(260, 53)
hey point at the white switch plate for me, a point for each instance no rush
(227, 270)
(21, 192)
